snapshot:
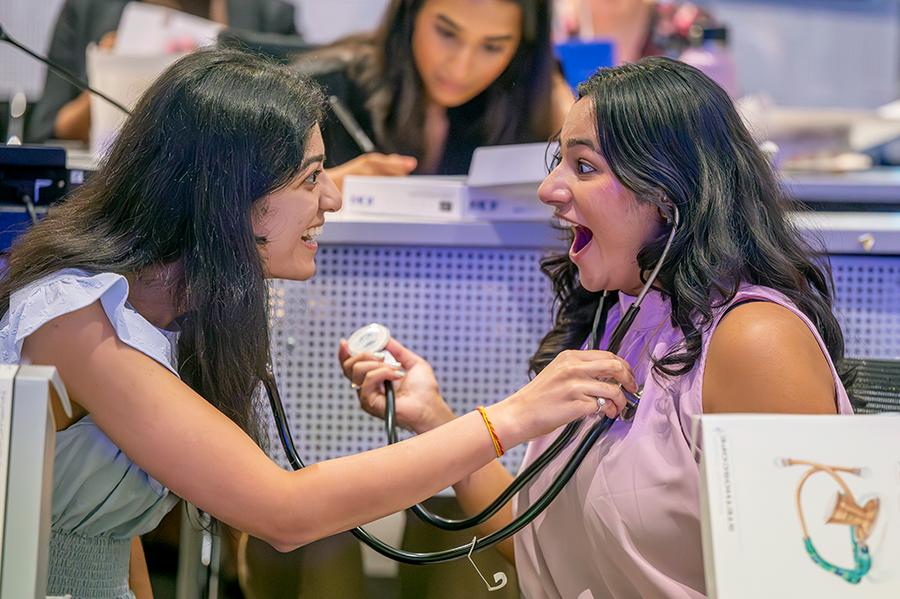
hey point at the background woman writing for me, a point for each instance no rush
(438, 79)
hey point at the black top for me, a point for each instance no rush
(340, 146)
(334, 76)
(81, 22)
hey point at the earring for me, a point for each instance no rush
(665, 214)
(667, 210)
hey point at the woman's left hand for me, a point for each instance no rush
(418, 401)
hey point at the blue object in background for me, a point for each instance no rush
(581, 58)
(34, 176)
(12, 224)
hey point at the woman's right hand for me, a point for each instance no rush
(373, 164)
(567, 389)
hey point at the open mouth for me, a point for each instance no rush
(583, 236)
(310, 233)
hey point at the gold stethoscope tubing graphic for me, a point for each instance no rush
(863, 518)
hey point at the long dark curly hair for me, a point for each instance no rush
(668, 131)
(215, 133)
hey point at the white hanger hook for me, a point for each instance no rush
(499, 577)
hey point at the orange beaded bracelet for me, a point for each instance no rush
(494, 438)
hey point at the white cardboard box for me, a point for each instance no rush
(28, 481)
(753, 541)
(501, 185)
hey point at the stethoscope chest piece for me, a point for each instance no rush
(370, 338)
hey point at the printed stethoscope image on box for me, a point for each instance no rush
(843, 510)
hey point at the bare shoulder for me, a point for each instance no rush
(69, 339)
(97, 368)
(59, 343)
(763, 358)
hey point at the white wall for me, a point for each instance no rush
(323, 21)
(824, 53)
(29, 22)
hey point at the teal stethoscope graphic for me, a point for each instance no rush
(845, 510)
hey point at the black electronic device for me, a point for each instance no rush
(36, 176)
(33, 176)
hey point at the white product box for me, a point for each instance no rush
(767, 478)
(501, 185)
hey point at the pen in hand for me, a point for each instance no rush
(346, 118)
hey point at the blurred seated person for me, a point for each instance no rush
(63, 112)
(436, 80)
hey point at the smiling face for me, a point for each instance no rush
(290, 218)
(611, 224)
(460, 47)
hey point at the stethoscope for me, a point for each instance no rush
(845, 510)
(375, 337)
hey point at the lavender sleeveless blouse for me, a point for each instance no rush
(628, 523)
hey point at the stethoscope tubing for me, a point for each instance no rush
(524, 477)
(549, 454)
(408, 557)
(552, 491)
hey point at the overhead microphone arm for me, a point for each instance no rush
(65, 74)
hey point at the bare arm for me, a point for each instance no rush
(763, 358)
(190, 447)
(73, 121)
(138, 575)
(421, 408)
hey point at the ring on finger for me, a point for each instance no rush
(600, 403)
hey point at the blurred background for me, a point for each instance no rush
(815, 53)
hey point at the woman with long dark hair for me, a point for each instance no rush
(147, 291)
(438, 79)
(739, 319)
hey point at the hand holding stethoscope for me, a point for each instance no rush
(419, 405)
(571, 379)
(368, 374)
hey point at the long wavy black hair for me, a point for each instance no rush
(215, 133)
(668, 131)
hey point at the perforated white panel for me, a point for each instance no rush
(867, 292)
(477, 315)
